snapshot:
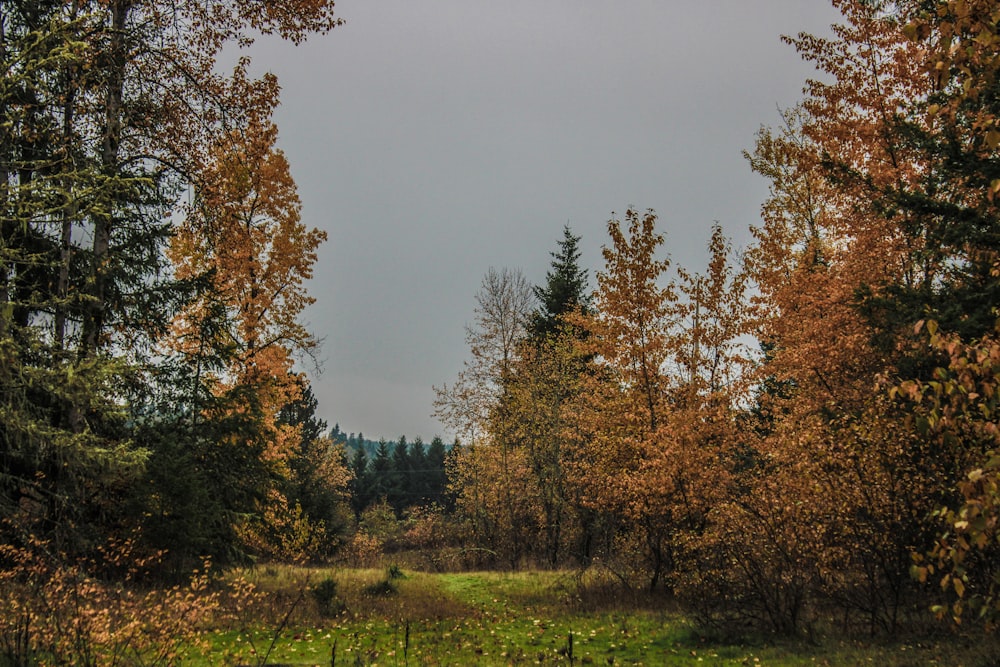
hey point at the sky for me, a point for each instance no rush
(433, 140)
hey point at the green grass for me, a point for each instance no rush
(518, 619)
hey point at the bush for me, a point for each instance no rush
(325, 595)
(387, 586)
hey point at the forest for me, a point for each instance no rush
(801, 433)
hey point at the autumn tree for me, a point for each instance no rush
(957, 128)
(317, 486)
(491, 472)
(624, 402)
(875, 220)
(543, 381)
(503, 308)
(244, 237)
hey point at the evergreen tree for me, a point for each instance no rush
(319, 472)
(381, 472)
(399, 494)
(361, 482)
(565, 288)
(419, 487)
(68, 459)
(437, 479)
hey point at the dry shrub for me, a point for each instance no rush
(362, 550)
(53, 612)
(754, 570)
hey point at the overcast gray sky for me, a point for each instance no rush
(433, 139)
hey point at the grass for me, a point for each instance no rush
(528, 618)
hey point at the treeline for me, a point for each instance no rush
(406, 476)
(844, 469)
(351, 442)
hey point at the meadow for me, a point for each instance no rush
(391, 617)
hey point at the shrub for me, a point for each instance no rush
(325, 595)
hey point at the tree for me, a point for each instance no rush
(543, 381)
(437, 478)
(623, 404)
(503, 308)
(381, 471)
(489, 471)
(564, 291)
(956, 413)
(420, 473)
(361, 482)
(877, 219)
(400, 477)
(243, 236)
(712, 360)
(319, 478)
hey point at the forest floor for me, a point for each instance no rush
(525, 618)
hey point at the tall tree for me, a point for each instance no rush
(361, 482)
(879, 216)
(491, 471)
(622, 410)
(437, 479)
(543, 381)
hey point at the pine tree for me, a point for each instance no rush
(419, 473)
(109, 111)
(401, 477)
(381, 473)
(437, 478)
(565, 288)
(361, 482)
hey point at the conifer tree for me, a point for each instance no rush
(437, 478)
(564, 291)
(361, 481)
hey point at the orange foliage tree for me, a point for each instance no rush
(244, 237)
(876, 217)
(654, 419)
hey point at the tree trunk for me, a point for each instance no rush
(110, 142)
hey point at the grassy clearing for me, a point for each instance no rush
(513, 619)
